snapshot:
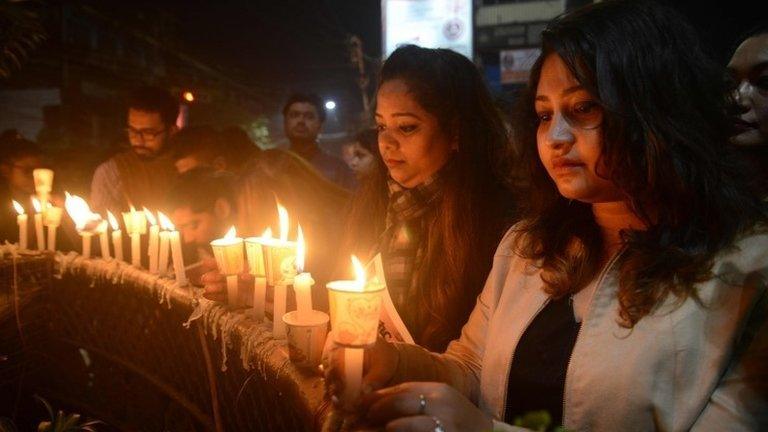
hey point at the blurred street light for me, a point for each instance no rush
(330, 105)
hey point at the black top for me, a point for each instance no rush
(537, 374)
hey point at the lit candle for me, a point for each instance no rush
(165, 236)
(302, 283)
(117, 236)
(136, 225)
(43, 178)
(21, 220)
(38, 224)
(103, 230)
(83, 217)
(355, 310)
(52, 219)
(254, 248)
(280, 254)
(178, 259)
(153, 250)
(229, 257)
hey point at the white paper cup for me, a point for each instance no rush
(306, 339)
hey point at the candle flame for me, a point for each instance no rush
(359, 273)
(150, 217)
(79, 211)
(36, 204)
(113, 221)
(267, 234)
(102, 227)
(301, 250)
(284, 222)
(18, 207)
(231, 234)
(165, 223)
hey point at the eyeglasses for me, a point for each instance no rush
(144, 134)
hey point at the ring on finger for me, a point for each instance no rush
(422, 404)
(438, 425)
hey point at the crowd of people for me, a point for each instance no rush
(599, 253)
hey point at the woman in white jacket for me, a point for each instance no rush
(633, 296)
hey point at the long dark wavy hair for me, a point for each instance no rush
(665, 146)
(475, 208)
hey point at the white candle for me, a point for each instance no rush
(43, 178)
(104, 240)
(153, 249)
(278, 310)
(136, 225)
(360, 324)
(52, 237)
(117, 236)
(353, 374)
(136, 249)
(86, 244)
(21, 220)
(38, 224)
(254, 248)
(259, 297)
(52, 219)
(162, 261)
(178, 259)
(302, 284)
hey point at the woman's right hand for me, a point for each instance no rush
(379, 367)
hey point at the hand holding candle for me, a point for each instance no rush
(355, 310)
(229, 257)
(21, 220)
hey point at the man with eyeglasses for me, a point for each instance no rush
(142, 175)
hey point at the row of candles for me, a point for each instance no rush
(278, 262)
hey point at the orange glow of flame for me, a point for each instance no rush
(188, 96)
(231, 234)
(113, 221)
(79, 211)
(150, 217)
(165, 223)
(19, 209)
(36, 204)
(301, 251)
(359, 274)
(284, 222)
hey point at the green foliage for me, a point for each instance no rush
(62, 422)
(20, 33)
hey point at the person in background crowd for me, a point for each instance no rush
(360, 154)
(196, 147)
(303, 117)
(239, 149)
(18, 158)
(748, 69)
(437, 206)
(142, 175)
(311, 200)
(633, 294)
(202, 206)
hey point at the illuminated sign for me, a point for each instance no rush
(428, 23)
